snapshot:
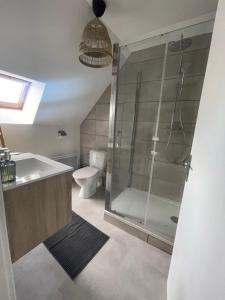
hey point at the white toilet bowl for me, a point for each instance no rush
(89, 178)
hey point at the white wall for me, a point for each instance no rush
(42, 139)
(7, 288)
(198, 263)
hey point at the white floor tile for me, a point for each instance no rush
(125, 268)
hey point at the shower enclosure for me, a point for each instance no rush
(156, 90)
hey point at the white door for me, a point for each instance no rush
(197, 269)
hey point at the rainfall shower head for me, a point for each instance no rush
(180, 45)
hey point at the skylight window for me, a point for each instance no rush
(13, 92)
(19, 98)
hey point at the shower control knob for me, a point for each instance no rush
(187, 165)
(153, 153)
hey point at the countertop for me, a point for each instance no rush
(33, 167)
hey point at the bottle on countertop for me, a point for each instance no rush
(8, 167)
(2, 159)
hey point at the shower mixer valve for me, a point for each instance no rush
(187, 165)
(153, 153)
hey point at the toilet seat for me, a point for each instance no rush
(85, 173)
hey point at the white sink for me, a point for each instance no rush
(32, 167)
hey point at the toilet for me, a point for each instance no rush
(89, 178)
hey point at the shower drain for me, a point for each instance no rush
(174, 219)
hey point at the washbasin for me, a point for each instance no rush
(31, 167)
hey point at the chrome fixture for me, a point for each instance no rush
(176, 123)
(62, 133)
(180, 45)
(187, 165)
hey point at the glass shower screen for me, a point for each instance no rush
(158, 94)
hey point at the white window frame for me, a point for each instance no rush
(27, 114)
(23, 95)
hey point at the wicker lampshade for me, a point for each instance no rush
(95, 47)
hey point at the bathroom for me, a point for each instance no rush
(113, 166)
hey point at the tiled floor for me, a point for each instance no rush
(125, 268)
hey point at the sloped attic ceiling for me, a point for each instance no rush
(130, 19)
(40, 40)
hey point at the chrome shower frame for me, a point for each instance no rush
(177, 46)
(112, 124)
(110, 215)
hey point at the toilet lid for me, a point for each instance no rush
(86, 172)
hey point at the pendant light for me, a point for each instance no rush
(96, 46)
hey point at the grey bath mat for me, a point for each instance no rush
(75, 245)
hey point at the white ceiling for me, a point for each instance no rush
(130, 19)
(40, 40)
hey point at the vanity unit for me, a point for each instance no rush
(38, 203)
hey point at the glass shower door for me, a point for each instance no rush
(128, 81)
(158, 95)
(186, 61)
(138, 97)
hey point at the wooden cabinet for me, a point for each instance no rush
(37, 210)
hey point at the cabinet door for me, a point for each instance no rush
(36, 211)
